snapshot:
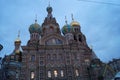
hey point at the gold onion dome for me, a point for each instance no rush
(35, 28)
(74, 23)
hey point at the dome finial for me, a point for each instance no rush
(72, 17)
(19, 34)
(49, 9)
(18, 37)
(65, 19)
(49, 4)
(35, 18)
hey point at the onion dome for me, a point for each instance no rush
(49, 9)
(67, 28)
(74, 23)
(35, 28)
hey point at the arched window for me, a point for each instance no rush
(62, 73)
(60, 56)
(54, 56)
(32, 75)
(32, 57)
(77, 72)
(51, 29)
(49, 56)
(75, 38)
(87, 61)
(75, 55)
(55, 73)
(80, 38)
(49, 74)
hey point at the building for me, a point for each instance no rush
(49, 55)
(101, 71)
(52, 54)
(115, 64)
(11, 64)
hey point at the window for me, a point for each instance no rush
(12, 58)
(32, 75)
(55, 73)
(62, 73)
(41, 62)
(54, 56)
(87, 61)
(49, 74)
(48, 56)
(76, 72)
(60, 56)
(75, 38)
(75, 55)
(80, 38)
(33, 58)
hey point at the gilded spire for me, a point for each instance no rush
(18, 37)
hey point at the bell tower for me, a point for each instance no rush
(50, 25)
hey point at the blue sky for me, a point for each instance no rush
(99, 22)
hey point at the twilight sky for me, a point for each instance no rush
(99, 22)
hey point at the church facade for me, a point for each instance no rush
(53, 53)
(49, 55)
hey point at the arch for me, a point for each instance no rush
(80, 38)
(75, 38)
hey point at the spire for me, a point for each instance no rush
(18, 37)
(49, 4)
(36, 18)
(72, 17)
(19, 34)
(49, 9)
(65, 19)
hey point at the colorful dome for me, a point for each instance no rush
(35, 28)
(66, 29)
(74, 23)
(49, 9)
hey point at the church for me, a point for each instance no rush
(52, 53)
